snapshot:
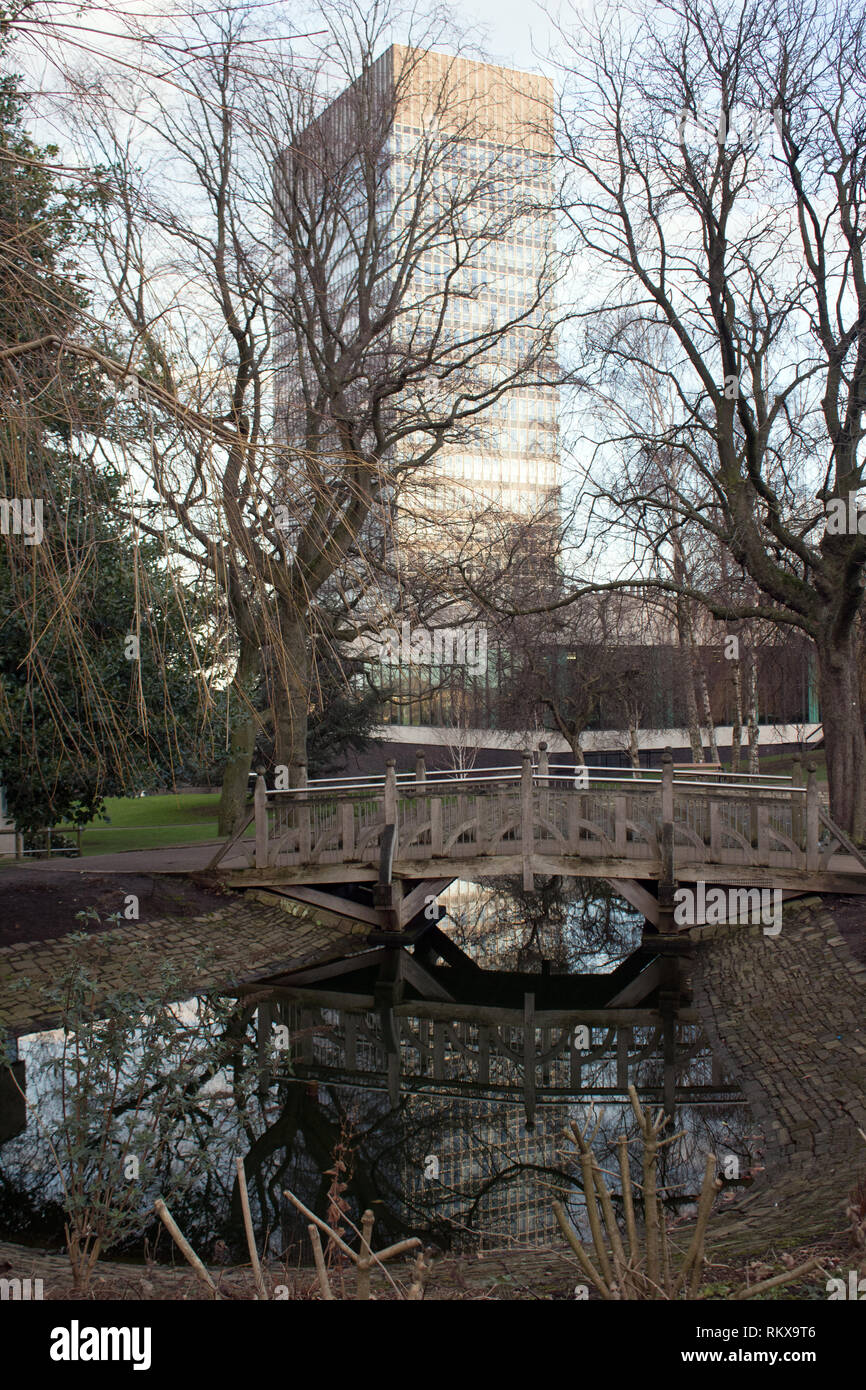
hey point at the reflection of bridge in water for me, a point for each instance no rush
(392, 1021)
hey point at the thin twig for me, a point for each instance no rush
(362, 1283)
(583, 1259)
(694, 1255)
(322, 1225)
(627, 1201)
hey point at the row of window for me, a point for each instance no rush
(494, 468)
(487, 273)
(526, 232)
(503, 188)
(523, 499)
(519, 408)
(474, 154)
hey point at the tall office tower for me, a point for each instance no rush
(448, 228)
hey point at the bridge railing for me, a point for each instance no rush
(536, 809)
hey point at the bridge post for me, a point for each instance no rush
(813, 806)
(436, 842)
(667, 882)
(483, 1056)
(347, 829)
(390, 792)
(668, 1004)
(715, 831)
(667, 786)
(526, 820)
(260, 803)
(543, 760)
(305, 839)
(264, 1024)
(797, 802)
(529, 1061)
(544, 774)
(420, 768)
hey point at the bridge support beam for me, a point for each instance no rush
(264, 1025)
(388, 992)
(529, 1092)
(387, 893)
(639, 897)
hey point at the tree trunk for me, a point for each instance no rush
(843, 733)
(737, 723)
(687, 655)
(752, 710)
(236, 775)
(861, 659)
(705, 705)
(290, 691)
(461, 753)
(633, 745)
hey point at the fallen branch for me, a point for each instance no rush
(788, 1277)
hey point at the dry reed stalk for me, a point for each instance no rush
(321, 1269)
(248, 1227)
(368, 1257)
(184, 1246)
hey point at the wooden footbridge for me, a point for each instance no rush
(406, 835)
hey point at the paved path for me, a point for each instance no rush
(167, 859)
(788, 1015)
(240, 943)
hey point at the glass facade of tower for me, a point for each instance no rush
(507, 461)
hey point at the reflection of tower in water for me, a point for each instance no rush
(488, 1183)
(485, 1175)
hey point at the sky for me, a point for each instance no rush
(514, 30)
(514, 33)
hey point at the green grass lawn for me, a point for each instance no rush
(784, 763)
(149, 822)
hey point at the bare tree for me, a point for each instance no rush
(309, 282)
(741, 238)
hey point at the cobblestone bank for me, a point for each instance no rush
(235, 945)
(788, 1015)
